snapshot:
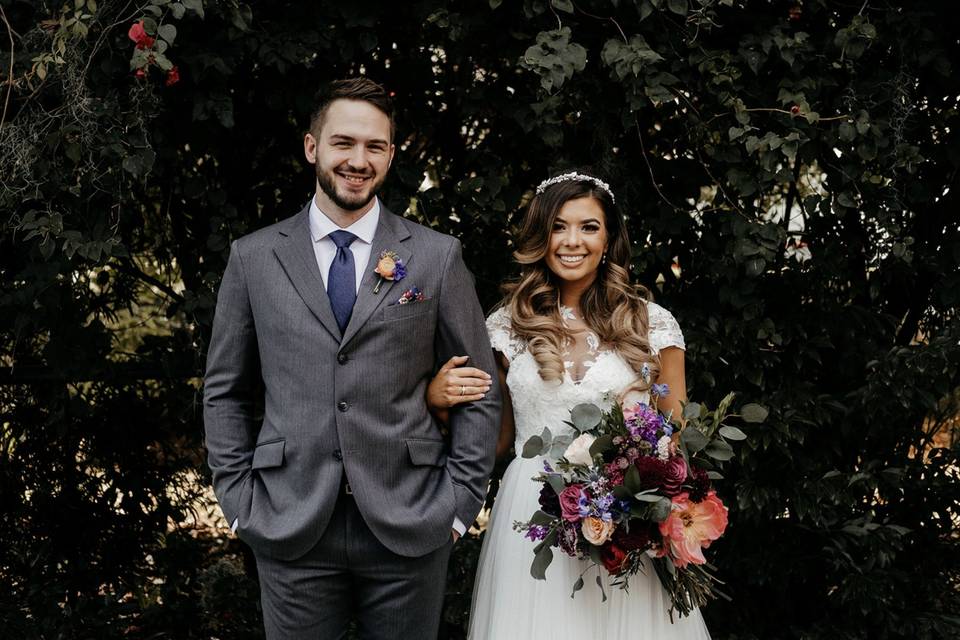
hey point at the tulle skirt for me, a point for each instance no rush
(509, 603)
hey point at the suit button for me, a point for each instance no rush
(343, 406)
(341, 358)
(338, 455)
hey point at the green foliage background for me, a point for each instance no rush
(789, 171)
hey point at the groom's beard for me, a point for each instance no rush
(344, 201)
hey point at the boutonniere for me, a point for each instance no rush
(389, 267)
(413, 294)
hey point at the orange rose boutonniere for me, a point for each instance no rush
(389, 267)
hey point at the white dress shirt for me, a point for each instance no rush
(325, 249)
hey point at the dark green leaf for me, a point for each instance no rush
(754, 413)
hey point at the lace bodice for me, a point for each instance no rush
(594, 372)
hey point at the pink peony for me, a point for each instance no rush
(692, 526)
(570, 502)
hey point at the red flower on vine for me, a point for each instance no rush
(139, 35)
(173, 77)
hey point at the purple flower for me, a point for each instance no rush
(659, 390)
(584, 504)
(400, 272)
(536, 532)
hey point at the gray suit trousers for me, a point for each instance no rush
(348, 575)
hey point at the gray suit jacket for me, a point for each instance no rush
(353, 405)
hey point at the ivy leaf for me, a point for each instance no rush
(563, 5)
(168, 32)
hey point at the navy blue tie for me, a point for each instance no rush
(342, 281)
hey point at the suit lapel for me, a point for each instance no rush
(295, 252)
(390, 236)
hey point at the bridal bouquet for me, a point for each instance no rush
(634, 487)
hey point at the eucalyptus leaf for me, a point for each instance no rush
(532, 447)
(577, 586)
(719, 450)
(732, 433)
(647, 497)
(556, 483)
(541, 561)
(693, 439)
(601, 444)
(603, 592)
(691, 410)
(661, 509)
(586, 416)
(541, 518)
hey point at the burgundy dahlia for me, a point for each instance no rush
(637, 539)
(549, 501)
(653, 472)
(699, 484)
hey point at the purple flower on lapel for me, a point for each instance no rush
(389, 267)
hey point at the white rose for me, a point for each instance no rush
(579, 450)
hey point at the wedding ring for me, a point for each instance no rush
(462, 389)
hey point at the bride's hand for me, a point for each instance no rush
(455, 384)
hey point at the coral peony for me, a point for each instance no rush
(692, 526)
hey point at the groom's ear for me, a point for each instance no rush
(310, 148)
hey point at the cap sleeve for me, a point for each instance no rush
(664, 331)
(501, 336)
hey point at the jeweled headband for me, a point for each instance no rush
(573, 175)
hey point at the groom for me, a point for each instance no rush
(345, 490)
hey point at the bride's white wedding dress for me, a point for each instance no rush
(507, 602)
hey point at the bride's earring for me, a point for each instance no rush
(603, 260)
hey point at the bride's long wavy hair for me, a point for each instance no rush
(613, 308)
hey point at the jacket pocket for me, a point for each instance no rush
(268, 454)
(404, 311)
(427, 452)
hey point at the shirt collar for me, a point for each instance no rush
(321, 226)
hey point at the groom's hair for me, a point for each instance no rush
(361, 88)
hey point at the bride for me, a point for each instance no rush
(570, 329)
